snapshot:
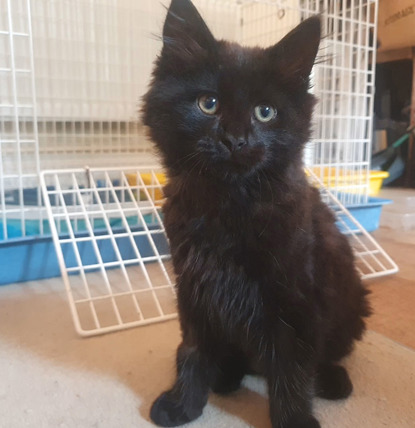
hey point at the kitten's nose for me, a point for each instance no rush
(233, 143)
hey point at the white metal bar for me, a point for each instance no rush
(14, 33)
(126, 168)
(138, 187)
(34, 117)
(17, 70)
(22, 140)
(126, 293)
(16, 115)
(126, 325)
(103, 237)
(371, 84)
(2, 186)
(94, 266)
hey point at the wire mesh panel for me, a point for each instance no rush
(93, 60)
(343, 80)
(111, 246)
(19, 154)
(73, 73)
(371, 260)
(344, 83)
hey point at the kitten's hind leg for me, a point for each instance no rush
(229, 374)
(333, 382)
(185, 401)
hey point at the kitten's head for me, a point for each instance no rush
(227, 110)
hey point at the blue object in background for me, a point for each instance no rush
(34, 257)
(368, 215)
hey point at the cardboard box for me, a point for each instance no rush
(380, 141)
(396, 24)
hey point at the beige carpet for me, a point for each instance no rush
(51, 378)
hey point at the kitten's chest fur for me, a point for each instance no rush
(238, 222)
(235, 250)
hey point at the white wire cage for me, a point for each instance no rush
(73, 72)
(111, 245)
(71, 76)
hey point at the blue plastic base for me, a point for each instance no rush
(368, 215)
(32, 258)
(29, 259)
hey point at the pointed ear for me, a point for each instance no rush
(185, 32)
(296, 52)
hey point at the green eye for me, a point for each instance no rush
(209, 104)
(265, 113)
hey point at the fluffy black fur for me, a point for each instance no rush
(265, 281)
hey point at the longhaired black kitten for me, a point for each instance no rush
(266, 283)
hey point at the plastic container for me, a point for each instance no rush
(148, 180)
(400, 215)
(398, 221)
(334, 179)
(376, 180)
(32, 258)
(368, 215)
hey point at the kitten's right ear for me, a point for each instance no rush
(185, 33)
(296, 52)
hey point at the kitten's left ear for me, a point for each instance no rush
(185, 31)
(296, 52)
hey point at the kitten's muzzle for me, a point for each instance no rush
(233, 143)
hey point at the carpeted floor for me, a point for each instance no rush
(51, 378)
(393, 296)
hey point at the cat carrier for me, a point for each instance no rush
(80, 186)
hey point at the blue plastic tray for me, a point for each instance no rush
(32, 258)
(368, 215)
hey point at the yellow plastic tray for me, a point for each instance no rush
(148, 181)
(330, 179)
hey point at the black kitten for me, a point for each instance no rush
(265, 280)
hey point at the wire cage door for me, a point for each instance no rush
(111, 246)
(371, 259)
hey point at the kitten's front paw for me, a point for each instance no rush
(303, 421)
(168, 411)
(333, 382)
